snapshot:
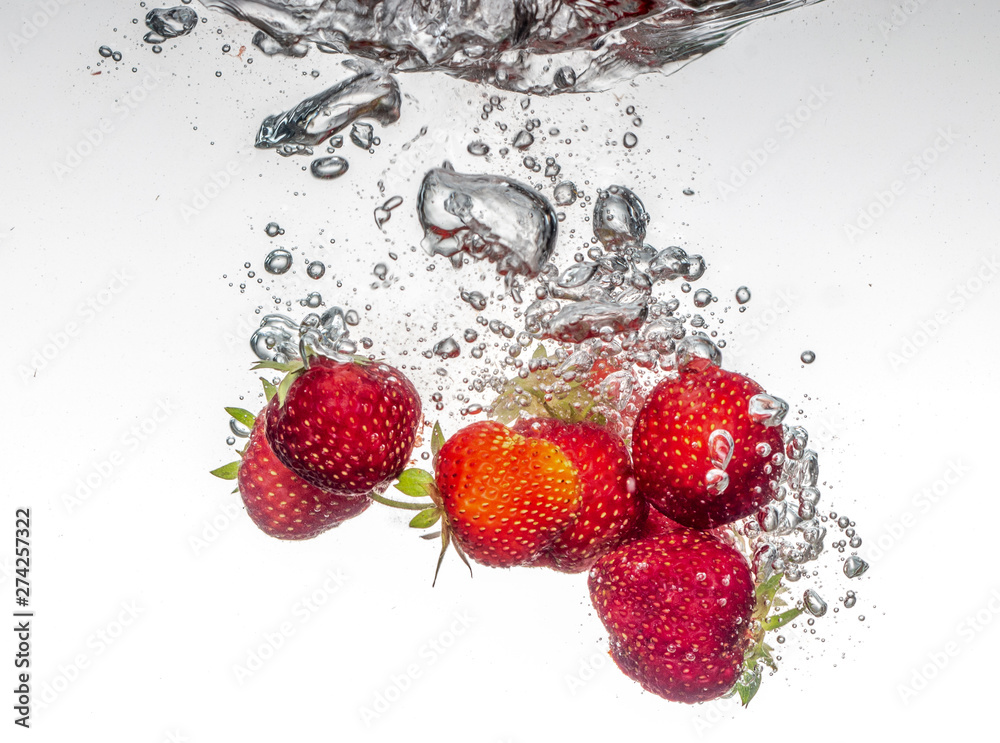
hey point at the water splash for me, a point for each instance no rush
(368, 93)
(548, 47)
(486, 216)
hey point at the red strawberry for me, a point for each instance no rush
(505, 497)
(610, 507)
(677, 608)
(346, 427)
(699, 455)
(655, 525)
(281, 504)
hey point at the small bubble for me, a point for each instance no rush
(105, 51)
(807, 357)
(742, 295)
(278, 261)
(630, 140)
(329, 168)
(316, 270)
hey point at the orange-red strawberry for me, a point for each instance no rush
(505, 497)
(678, 609)
(346, 427)
(699, 455)
(610, 507)
(281, 504)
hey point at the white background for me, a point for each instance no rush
(151, 588)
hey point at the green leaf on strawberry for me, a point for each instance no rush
(242, 416)
(760, 653)
(227, 471)
(415, 482)
(544, 395)
(426, 518)
(269, 389)
(437, 439)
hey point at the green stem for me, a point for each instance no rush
(399, 504)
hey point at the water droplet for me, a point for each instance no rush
(523, 140)
(278, 261)
(850, 600)
(565, 77)
(695, 353)
(362, 134)
(381, 271)
(476, 299)
(630, 140)
(742, 295)
(329, 167)
(116, 56)
(479, 149)
(272, 230)
(702, 298)
(716, 481)
(313, 299)
(807, 357)
(384, 212)
(447, 349)
(170, 23)
(813, 603)
(238, 429)
(767, 409)
(854, 566)
(720, 448)
(316, 270)
(565, 193)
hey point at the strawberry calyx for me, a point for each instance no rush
(544, 394)
(294, 369)
(418, 483)
(230, 470)
(759, 655)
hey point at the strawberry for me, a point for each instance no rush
(505, 497)
(678, 609)
(703, 455)
(280, 503)
(345, 427)
(610, 508)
